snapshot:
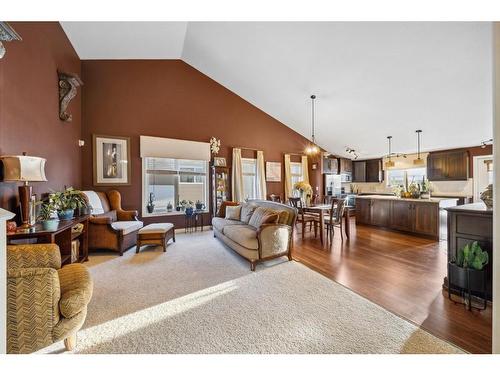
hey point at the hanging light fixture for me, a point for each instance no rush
(312, 149)
(418, 160)
(389, 163)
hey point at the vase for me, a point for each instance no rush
(189, 211)
(487, 196)
(49, 225)
(66, 214)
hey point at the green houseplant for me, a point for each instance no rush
(45, 216)
(66, 202)
(467, 271)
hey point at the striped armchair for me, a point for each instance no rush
(45, 303)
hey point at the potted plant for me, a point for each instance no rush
(66, 202)
(199, 205)
(467, 270)
(305, 191)
(45, 216)
(151, 205)
(188, 207)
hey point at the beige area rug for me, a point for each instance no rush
(200, 297)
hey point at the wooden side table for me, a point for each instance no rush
(61, 236)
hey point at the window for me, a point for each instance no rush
(399, 177)
(249, 167)
(172, 181)
(296, 171)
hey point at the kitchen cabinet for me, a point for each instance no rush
(330, 165)
(380, 212)
(401, 215)
(448, 165)
(359, 171)
(367, 170)
(345, 166)
(414, 216)
(374, 170)
(363, 211)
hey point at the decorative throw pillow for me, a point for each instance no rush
(247, 210)
(263, 215)
(233, 212)
(283, 217)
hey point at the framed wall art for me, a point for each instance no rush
(111, 160)
(219, 161)
(273, 171)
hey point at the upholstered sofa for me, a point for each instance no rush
(111, 227)
(257, 244)
(45, 303)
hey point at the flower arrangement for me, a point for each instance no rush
(214, 145)
(303, 187)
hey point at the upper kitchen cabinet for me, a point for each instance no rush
(330, 165)
(374, 170)
(448, 165)
(359, 171)
(345, 166)
(367, 171)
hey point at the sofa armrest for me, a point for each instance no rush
(32, 308)
(274, 239)
(33, 256)
(102, 220)
(124, 215)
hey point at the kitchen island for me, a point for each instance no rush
(425, 217)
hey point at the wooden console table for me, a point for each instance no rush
(61, 235)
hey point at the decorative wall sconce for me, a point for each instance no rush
(7, 34)
(68, 83)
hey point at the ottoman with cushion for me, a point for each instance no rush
(155, 234)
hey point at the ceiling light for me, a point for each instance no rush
(418, 160)
(312, 149)
(389, 163)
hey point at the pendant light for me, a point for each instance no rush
(418, 160)
(389, 163)
(312, 149)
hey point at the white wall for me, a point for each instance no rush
(496, 212)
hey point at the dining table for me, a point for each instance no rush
(323, 210)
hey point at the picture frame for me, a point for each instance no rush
(111, 160)
(273, 171)
(220, 161)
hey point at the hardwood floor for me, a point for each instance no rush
(401, 273)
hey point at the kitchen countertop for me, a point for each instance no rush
(472, 207)
(393, 197)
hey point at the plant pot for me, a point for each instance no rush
(200, 206)
(467, 278)
(150, 208)
(66, 214)
(457, 275)
(49, 225)
(189, 211)
(178, 208)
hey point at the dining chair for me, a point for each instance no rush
(304, 218)
(315, 199)
(335, 219)
(327, 199)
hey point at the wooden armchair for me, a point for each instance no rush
(111, 227)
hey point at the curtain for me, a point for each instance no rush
(237, 176)
(305, 170)
(288, 179)
(261, 176)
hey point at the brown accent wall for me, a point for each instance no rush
(169, 98)
(29, 107)
(477, 151)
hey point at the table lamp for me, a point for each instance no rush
(25, 169)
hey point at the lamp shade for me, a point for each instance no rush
(23, 168)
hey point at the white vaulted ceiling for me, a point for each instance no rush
(371, 79)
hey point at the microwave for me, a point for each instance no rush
(345, 177)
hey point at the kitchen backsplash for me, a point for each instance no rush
(443, 188)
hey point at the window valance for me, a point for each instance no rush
(158, 147)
